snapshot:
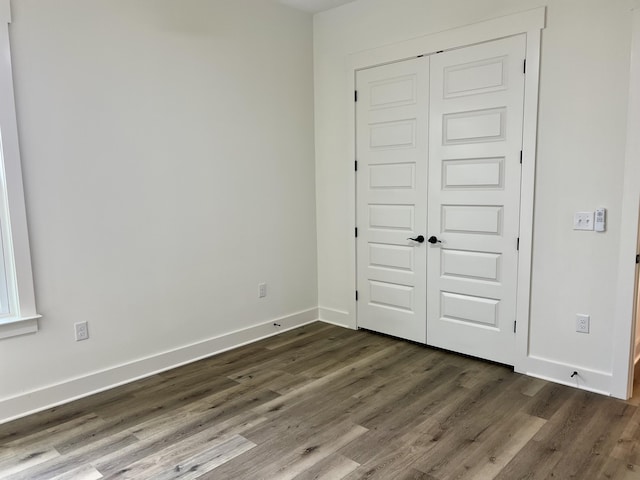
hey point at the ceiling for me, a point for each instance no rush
(314, 6)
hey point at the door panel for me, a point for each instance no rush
(482, 173)
(476, 103)
(391, 143)
(472, 219)
(475, 77)
(470, 265)
(477, 126)
(468, 309)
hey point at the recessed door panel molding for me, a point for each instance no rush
(474, 219)
(389, 295)
(392, 217)
(396, 257)
(471, 265)
(475, 173)
(395, 134)
(473, 78)
(393, 92)
(474, 182)
(391, 148)
(393, 176)
(476, 126)
(469, 310)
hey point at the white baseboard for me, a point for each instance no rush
(41, 399)
(557, 372)
(50, 396)
(336, 317)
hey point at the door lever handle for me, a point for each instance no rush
(418, 239)
(433, 240)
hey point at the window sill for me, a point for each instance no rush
(12, 327)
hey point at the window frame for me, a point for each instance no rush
(22, 317)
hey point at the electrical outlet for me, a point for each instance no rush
(82, 331)
(262, 290)
(582, 323)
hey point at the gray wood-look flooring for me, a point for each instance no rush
(322, 402)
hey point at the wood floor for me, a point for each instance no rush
(322, 402)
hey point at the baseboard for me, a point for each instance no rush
(557, 372)
(336, 317)
(44, 398)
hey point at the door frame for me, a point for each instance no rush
(624, 326)
(530, 23)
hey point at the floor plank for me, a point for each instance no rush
(325, 403)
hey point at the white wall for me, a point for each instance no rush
(167, 149)
(580, 161)
(637, 320)
(632, 174)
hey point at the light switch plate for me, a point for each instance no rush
(583, 221)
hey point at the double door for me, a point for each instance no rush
(438, 142)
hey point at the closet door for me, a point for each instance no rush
(475, 136)
(391, 142)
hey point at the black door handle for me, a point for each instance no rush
(433, 239)
(418, 239)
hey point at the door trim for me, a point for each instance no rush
(623, 322)
(530, 23)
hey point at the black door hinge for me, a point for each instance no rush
(356, 163)
(356, 232)
(520, 157)
(356, 295)
(514, 326)
(518, 244)
(355, 95)
(524, 66)
(638, 258)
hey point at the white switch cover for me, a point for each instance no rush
(583, 221)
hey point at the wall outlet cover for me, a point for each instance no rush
(81, 330)
(582, 323)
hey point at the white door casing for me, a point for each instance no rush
(475, 149)
(392, 132)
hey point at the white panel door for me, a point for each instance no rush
(391, 135)
(474, 198)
